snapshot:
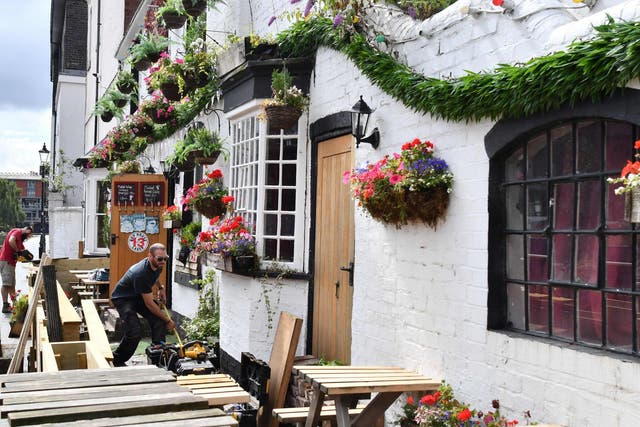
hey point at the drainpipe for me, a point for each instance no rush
(97, 73)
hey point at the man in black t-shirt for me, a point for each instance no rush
(133, 295)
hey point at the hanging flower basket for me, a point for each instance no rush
(194, 80)
(125, 88)
(428, 205)
(210, 207)
(106, 117)
(201, 159)
(173, 20)
(282, 116)
(142, 65)
(121, 146)
(171, 91)
(194, 7)
(187, 165)
(632, 205)
(159, 117)
(120, 103)
(144, 130)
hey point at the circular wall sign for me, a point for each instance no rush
(138, 241)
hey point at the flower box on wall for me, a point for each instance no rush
(232, 264)
(170, 224)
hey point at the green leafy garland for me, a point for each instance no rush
(586, 70)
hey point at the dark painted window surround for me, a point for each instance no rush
(563, 264)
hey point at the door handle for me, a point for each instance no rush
(113, 239)
(350, 270)
(338, 289)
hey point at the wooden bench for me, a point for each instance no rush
(299, 415)
(68, 317)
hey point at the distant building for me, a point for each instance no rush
(30, 186)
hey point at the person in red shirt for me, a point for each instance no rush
(12, 246)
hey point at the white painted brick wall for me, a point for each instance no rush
(420, 294)
(244, 321)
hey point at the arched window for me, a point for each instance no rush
(563, 261)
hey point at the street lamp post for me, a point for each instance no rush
(44, 171)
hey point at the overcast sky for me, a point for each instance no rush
(25, 87)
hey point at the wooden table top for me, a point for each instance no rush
(338, 380)
(141, 395)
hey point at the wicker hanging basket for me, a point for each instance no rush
(142, 64)
(201, 159)
(173, 20)
(194, 7)
(171, 91)
(282, 116)
(210, 207)
(632, 205)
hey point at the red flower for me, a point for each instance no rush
(498, 2)
(410, 400)
(633, 168)
(429, 399)
(464, 415)
(214, 220)
(228, 199)
(216, 173)
(637, 145)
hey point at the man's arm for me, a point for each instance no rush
(162, 293)
(153, 307)
(13, 242)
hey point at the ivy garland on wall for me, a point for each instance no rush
(586, 70)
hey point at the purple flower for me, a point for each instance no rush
(307, 8)
(295, 1)
(412, 12)
(273, 18)
(432, 164)
(338, 20)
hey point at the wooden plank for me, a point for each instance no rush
(380, 386)
(136, 419)
(209, 385)
(17, 359)
(313, 368)
(87, 392)
(372, 378)
(219, 390)
(95, 400)
(281, 360)
(218, 399)
(297, 415)
(52, 306)
(49, 361)
(225, 421)
(114, 410)
(196, 379)
(96, 330)
(137, 370)
(45, 385)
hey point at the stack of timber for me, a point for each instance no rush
(141, 395)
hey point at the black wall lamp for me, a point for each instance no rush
(360, 113)
(170, 171)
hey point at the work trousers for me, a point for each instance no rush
(128, 309)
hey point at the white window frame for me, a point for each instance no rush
(91, 214)
(254, 108)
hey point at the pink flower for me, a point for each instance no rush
(395, 178)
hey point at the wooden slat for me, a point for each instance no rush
(220, 390)
(209, 385)
(17, 359)
(368, 378)
(93, 374)
(380, 386)
(96, 400)
(114, 410)
(225, 421)
(296, 415)
(45, 385)
(217, 399)
(96, 330)
(148, 418)
(199, 379)
(87, 392)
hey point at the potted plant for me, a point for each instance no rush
(158, 108)
(147, 50)
(139, 124)
(288, 102)
(442, 409)
(231, 242)
(410, 186)
(106, 109)
(125, 82)
(171, 15)
(204, 145)
(118, 98)
(208, 195)
(128, 166)
(182, 156)
(198, 66)
(172, 217)
(167, 77)
(195, 7)
(18, 314)
(99, 155)
(120, 139)
(630, 180)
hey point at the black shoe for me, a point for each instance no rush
(6, 308)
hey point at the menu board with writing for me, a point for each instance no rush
(126, 192)
(152, 193)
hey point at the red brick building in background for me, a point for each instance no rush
(30, 186)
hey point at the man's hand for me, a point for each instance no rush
(170, 325)
(162, 295)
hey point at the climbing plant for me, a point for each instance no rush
(589, 69)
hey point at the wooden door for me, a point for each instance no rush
(137, 202)
(334, 247)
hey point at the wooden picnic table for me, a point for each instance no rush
(346, 384)
(140, 395)
(94, 286)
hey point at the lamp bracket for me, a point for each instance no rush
(373, 139)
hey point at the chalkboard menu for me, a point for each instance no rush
(152, 193)
(126, 192)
